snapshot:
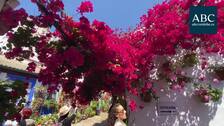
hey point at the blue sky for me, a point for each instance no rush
(116, 13)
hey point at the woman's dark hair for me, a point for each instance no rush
(112, 114)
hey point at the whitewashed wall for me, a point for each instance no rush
(190, 111)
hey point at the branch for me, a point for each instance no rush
(201, 2)
(56, 23)
(4, 4)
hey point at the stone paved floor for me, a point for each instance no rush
(94, 121)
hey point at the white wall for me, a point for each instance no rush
(191, 112)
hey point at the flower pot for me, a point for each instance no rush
(146, 97)
(219, 72)
(98, 111)
(205, 98)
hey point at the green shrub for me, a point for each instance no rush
(44, 119)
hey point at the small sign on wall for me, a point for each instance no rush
(166, 108)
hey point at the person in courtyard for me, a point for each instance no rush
(116, 115)
(25, 117)
(66, 115)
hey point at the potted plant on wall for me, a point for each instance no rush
(219, 71)
(215, 94)
(189, 60)
(49, 103)
(147, 93)
(49, 106)
(146, 96)
(207, 93)
(203, 95)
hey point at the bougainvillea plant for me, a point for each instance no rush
(103, 59)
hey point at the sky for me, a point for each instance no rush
(118, 14)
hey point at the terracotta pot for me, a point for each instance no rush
(146, 97)
(220, 73)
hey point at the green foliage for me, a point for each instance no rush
(23, 37)
(189, 60)
(90, 110)
(45, 119)
(40, 94)
(216, 94)
(105, 104)
(37, 103)
(51, 103)
(10, 92)
(94, 104)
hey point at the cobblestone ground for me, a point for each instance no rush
(94, 121)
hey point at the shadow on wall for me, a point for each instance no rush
(191, 112)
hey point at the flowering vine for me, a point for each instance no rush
(106, 60)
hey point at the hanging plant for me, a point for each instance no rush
(164, 70)
(189, 60)
(177, 80)
(207, 93)
(215, 94)
(148, 92)
(219, 71)
(146, 97)
(203, 95)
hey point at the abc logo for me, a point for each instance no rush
(204, 18)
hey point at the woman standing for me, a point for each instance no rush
(64, 118)
(116, 115)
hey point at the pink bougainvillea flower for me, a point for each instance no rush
(132, 105)
(107, 60)
(85, 7)
(176, 87)
(55, 5)
(141, 106)
(13, 53)
(134, 91)
(10, 35)
(204, 65)
(183, 73)
(201, 77)
(215, 80)
(173, 77)
(148, 85)
(205, 98)
(31, 67)
(74, 57)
